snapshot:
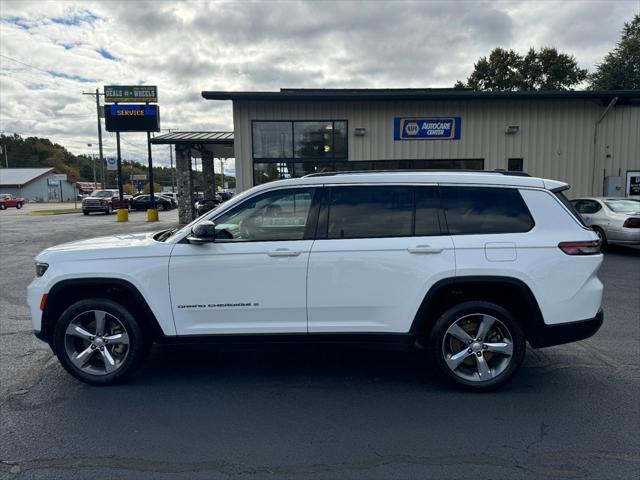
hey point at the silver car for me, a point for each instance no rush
(615, 220)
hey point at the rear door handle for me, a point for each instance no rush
(425, 249)
(283, 252)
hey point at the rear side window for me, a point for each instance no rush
(427, 211)
(565, 201)
(485, 210)
(370, 212)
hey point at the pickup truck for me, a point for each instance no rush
(105, 201)
(7, 200)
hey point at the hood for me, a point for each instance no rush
(112, 246)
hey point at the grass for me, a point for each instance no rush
(57, 211)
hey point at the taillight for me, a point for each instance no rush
(592, 247)
(632, 223)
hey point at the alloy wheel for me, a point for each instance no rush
(477, 347)
(96, 342)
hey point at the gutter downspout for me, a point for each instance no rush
(612, 104)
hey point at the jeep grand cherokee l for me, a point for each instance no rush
(469, 266)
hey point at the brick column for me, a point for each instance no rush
(208, 175)
(184, 180)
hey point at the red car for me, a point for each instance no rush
(7, 200)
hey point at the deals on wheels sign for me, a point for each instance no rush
(130, 93)
(132, 118)
(435, 128)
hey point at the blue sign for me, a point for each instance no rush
(435, 128)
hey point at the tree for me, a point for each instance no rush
(506, 70)
(620, 69)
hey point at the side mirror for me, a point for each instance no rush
(203, 232)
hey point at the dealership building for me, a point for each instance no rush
(590, 139)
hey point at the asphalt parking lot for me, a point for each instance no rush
(194, 412)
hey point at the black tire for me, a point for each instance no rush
(18, 206)
(84, 212)
(604, 244)
(109, 210)
(3, 206)
(163, 207)
(436, 344)
(138, 342)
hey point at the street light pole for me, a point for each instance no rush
(93, 157)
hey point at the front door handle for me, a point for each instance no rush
(424, 249)
(283, 252)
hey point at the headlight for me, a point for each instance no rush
(41, 268)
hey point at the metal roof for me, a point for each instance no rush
(21, 176)
(190, 138)
(381, 94)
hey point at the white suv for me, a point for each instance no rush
(469, 266)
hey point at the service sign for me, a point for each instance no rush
(132, 118)
(435, 128)
(112, 163)
(130, 93)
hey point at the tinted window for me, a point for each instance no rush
(370, 212)
(515, 165)
(272, 140)
(277, 215)
(427, 210)
(475, 210)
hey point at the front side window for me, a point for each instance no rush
(485, 210)
(370, 212)
(273, 216)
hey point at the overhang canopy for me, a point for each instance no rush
(220, 144)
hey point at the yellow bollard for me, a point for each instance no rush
(152, 215)
(122, 215)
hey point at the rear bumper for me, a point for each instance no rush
(549, 335)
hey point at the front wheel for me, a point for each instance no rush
(109, 210)
(478, 346)
(99, 342)
(18, 206)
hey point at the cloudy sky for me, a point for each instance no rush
(50, 52)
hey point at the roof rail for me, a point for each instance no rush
(452, 170)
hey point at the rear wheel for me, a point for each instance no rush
(477, 345)
(3, 206)
(99, 342)
(603, 238)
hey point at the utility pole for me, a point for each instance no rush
(102, 169)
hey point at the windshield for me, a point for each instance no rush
(623, 206)
(102, 193)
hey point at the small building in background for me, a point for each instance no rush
(36, 184)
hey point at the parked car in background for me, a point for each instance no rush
(615, 220)
(174, 202)
(105, 201)
(143, 202)
(7, 200)
(172, 195)
(225, 195)
(204, 205)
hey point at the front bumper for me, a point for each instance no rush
(549, 335)
(95, 208)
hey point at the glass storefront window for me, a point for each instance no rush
(302, 140)
(313, 139)
(272, 140)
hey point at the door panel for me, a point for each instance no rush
(239, 287)
(358, 282)
(253, 279)
(374, 285)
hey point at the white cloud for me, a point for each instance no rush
(187, 47)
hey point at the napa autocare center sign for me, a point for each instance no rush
(427, 128)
